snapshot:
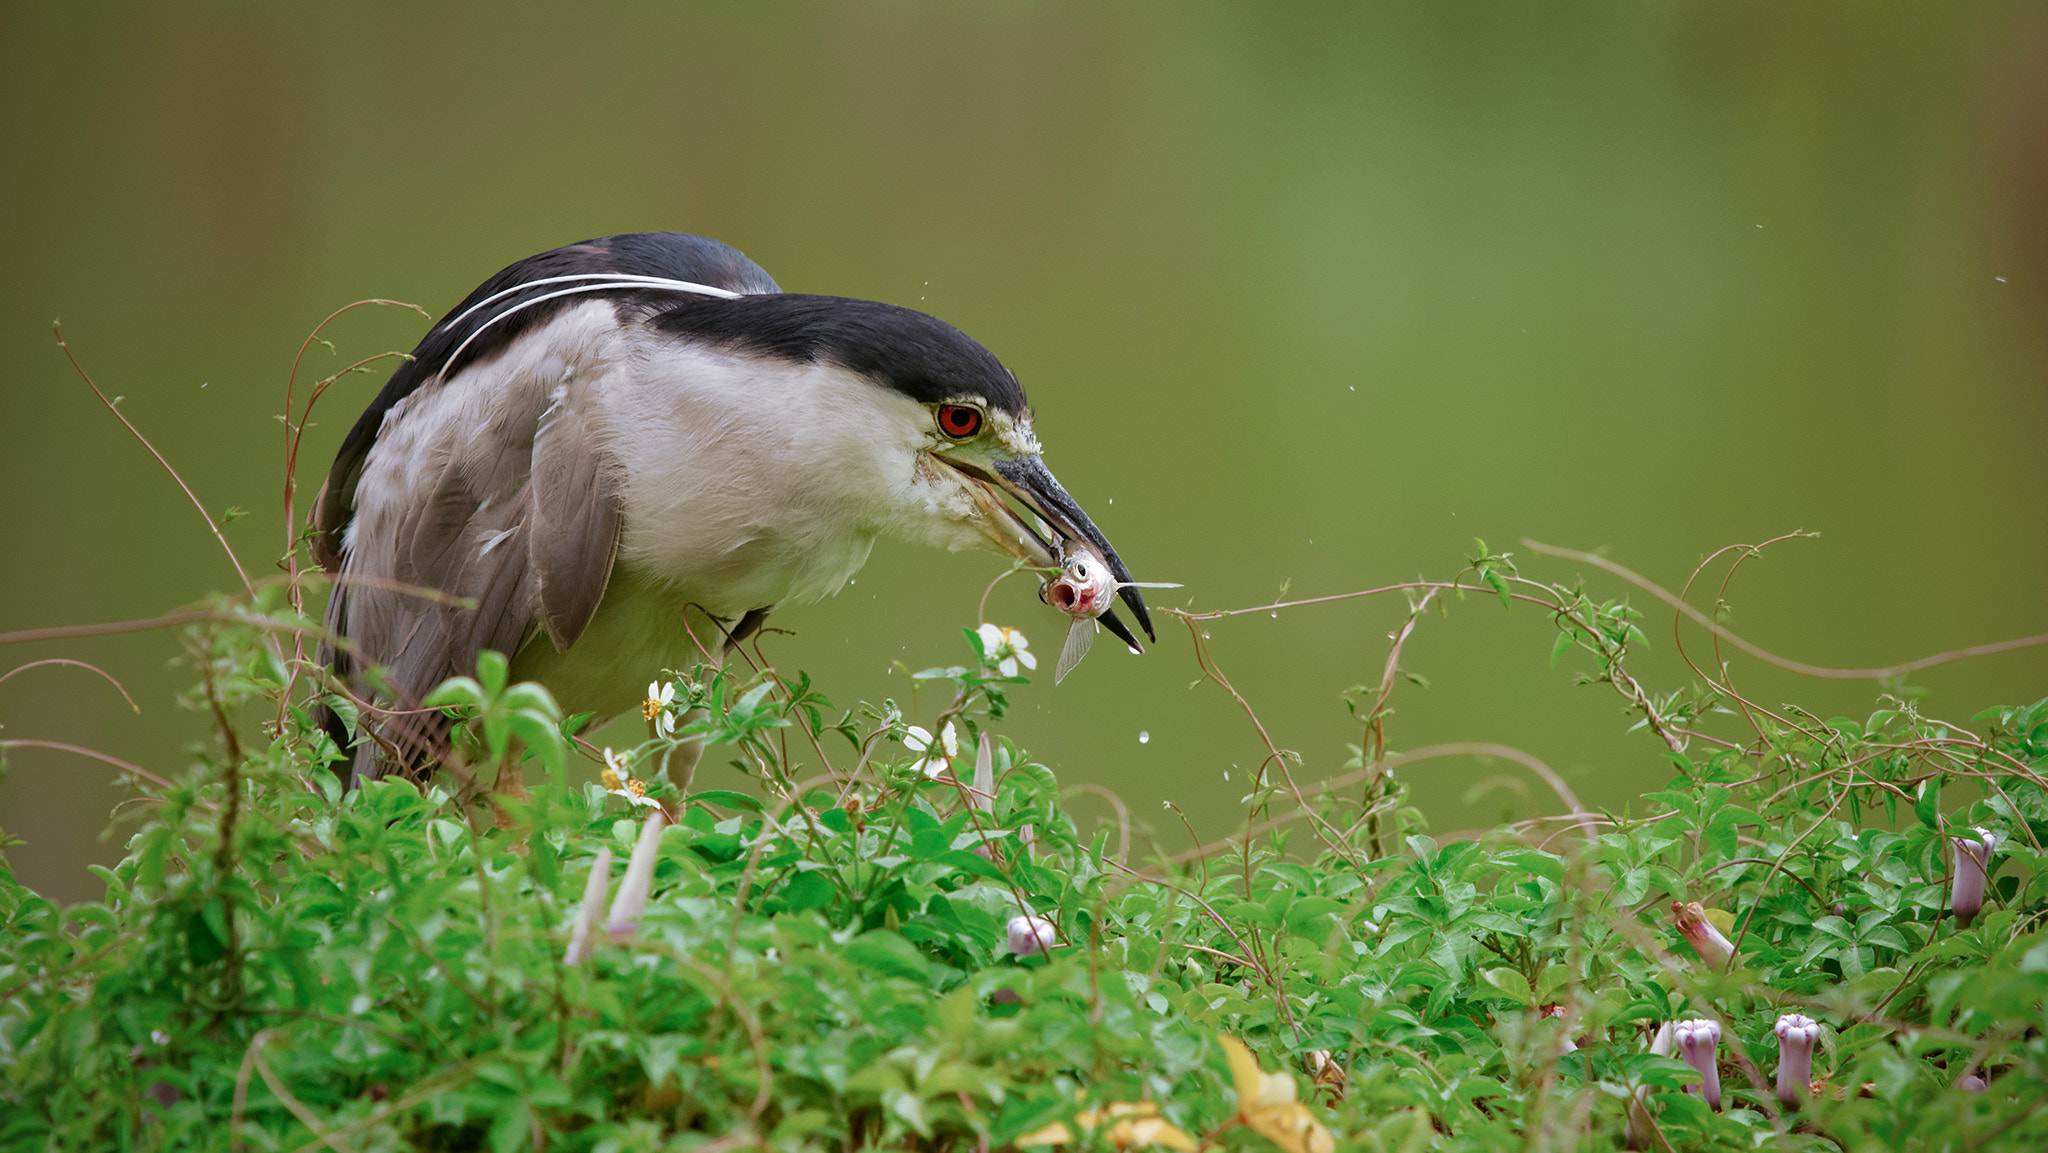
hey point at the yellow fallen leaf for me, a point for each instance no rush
(1266, 1104)
(1053, 1134)
(1135, 1124)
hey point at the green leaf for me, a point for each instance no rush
(512, 1130)
(454, 691)
(726, 799)
(808, 891)
(1541, 864)
(1511, 984)
(203, 942)
(889, 954)
(492, 671)
(1927, 802)
(1499, 585)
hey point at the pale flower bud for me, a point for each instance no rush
(1973, 867)
(1697, 1040)
(1706, 940)
(631, 901)
(981, 795)
(592, 908)
(1796, 1036)
(1030, 935)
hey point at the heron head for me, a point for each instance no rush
(976, 470)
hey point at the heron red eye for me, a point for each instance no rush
(959, 421)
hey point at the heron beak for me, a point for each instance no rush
(1025, 478)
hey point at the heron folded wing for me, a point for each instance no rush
(448, 503)
(576, 514)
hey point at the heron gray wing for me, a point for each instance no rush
(576, 510)
(486, 510)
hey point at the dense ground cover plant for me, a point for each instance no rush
(893, 934)
(832, 962)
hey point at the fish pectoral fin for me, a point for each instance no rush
(1079, 637)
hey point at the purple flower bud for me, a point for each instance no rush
(1030, 935)
(1706, 940)
(1973, 866)
(1796, 1036)
(1697, 1040)
(1971, 1083)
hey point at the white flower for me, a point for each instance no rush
(1029, 934)
(936, 755)
(1005, 648)
(619, 782)
(655, 707)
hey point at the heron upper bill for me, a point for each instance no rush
(1025, 478)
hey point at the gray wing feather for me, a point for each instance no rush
(492, 488)
(576, 514)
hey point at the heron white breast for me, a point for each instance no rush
(759, 481)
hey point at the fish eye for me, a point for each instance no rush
(959, 421)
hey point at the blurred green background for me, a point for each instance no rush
(1304, 296)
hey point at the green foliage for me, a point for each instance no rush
(824, 962)
(499, 712)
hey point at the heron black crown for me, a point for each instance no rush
(918, 355)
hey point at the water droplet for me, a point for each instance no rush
(1144, 738)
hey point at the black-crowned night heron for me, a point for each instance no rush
(623, 453)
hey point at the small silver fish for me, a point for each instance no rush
(1084, 589)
